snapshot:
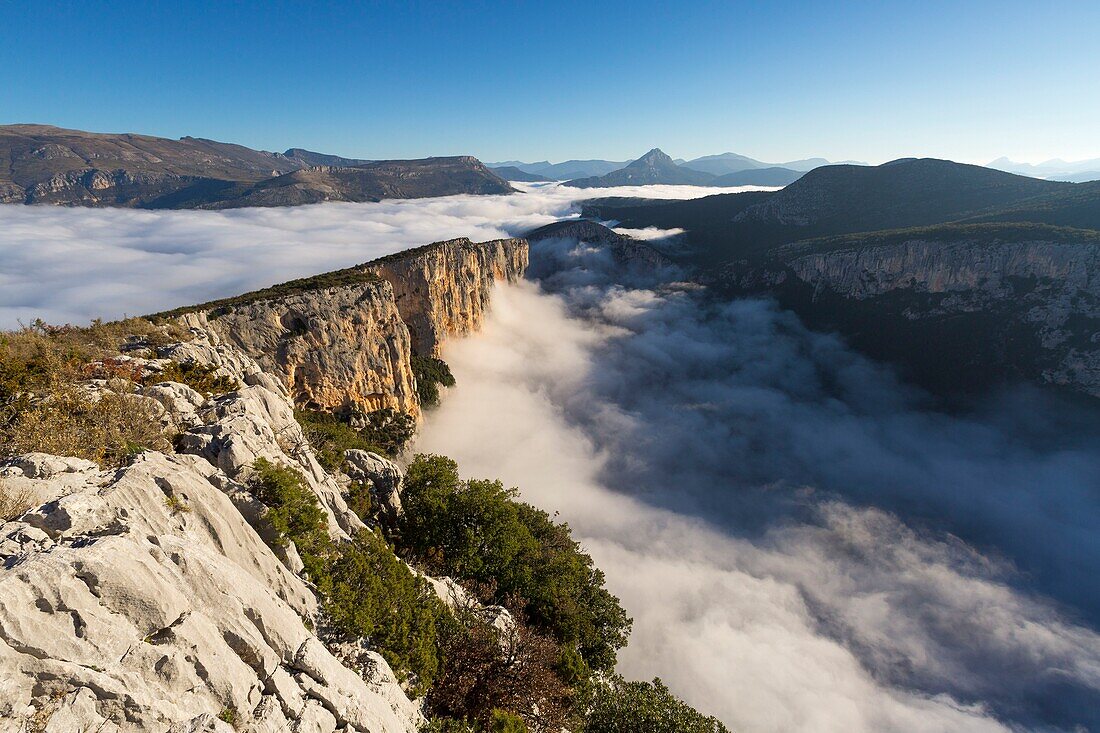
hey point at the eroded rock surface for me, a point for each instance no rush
(444, 289)
(141, 600)
(352, 345)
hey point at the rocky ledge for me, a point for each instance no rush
(347, 339)
(146, 598)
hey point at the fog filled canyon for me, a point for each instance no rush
(805, 542)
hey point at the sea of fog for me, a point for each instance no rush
(69, 265)
(804, 542)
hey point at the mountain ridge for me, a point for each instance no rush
(652, 168)
(42, 164)
(1000, 272)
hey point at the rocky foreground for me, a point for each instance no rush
(144, 599)
(147, 598)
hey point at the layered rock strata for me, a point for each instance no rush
(352, 345)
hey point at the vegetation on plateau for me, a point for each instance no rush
(644, 707)
(384, 431)
(476, 531)
(336, 279)
(69, 390)
(364, 589)
(545, 670)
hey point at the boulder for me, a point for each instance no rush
(382, 475)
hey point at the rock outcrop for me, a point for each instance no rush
(443, 289)
(351, 345)
(331, 347)
(626, 250)
(384, 478)
(1044, 294)
(142, 600)
(147, 599)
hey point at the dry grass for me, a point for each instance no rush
(43, 409)
(14, 502)
(108, 430)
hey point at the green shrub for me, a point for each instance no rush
(384, 432)
(199, 377)
(330, 436)
(359, 500)
(175, 504)
(372, 594)
(430, 373)
(364, 589)
(477, 531)
(388, 428)
(228, 715)
(446, 725)
(645, 707)
(503, 721)
(293, 510)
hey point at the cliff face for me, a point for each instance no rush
(352, 344)
(955, 314)
(444, 289)
(976, 271)
(332, 348)
(1043, 298)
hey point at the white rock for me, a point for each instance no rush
(44, 465)
(180, 401)
(339, 690)
(256, 422)
(147, 617)
(384, 476)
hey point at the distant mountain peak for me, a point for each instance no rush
(654, 157)
(655, 167)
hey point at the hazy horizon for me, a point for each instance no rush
(1033, 160)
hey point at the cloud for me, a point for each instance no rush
(793, 531)
(75, 264)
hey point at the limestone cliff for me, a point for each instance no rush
(351, 344)
(331, 347)
(958, 309)
(443, 289)
(1044, 293)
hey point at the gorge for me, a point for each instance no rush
(804, 540)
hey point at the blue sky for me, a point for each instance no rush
(777, 80)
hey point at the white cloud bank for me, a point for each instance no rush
(717, 462)
(69, 265)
